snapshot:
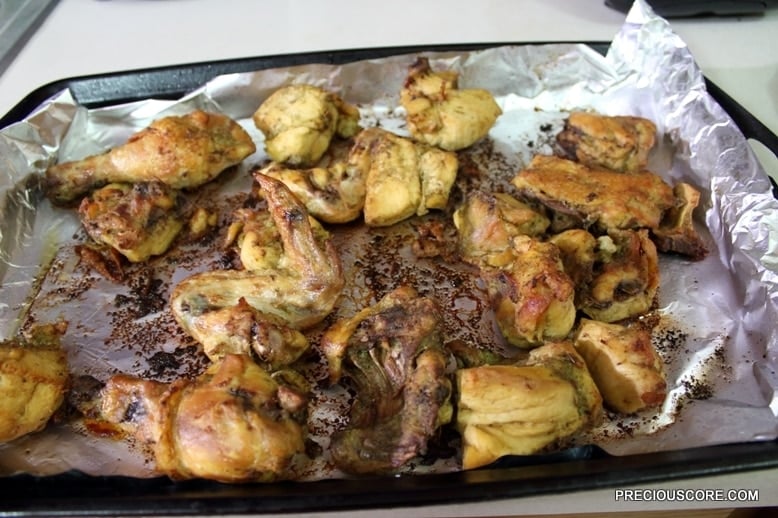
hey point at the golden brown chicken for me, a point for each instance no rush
(138, 220)
(179, 151)
(533, 298)
(521, 409)
(578, 250)
(392, 355)
(487, 222)
(403, 178)
(620, 143)
(600, 197)
(624, 364)
(297, 277)
(33, 380)
(234, 423)
(442, 115)
(676, 233)
(299, 122)
(625, 277)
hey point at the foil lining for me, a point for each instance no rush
(716, 331)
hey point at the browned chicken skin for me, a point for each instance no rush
(604, 198)
(621, 143)
(234, 423)
(33, 380)
(392, 354)
(179, 151)
(441, 114)
(138, 220)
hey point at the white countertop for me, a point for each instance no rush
(82, 37)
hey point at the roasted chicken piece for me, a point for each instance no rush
(533, 298)
(33, 380)
(487, 222)
(625, 278)
(676, 233)
(403, 178)
(442, 115)
(624, 364)
(392, 355)
(620, 143)
(138, 220)
(521, 409)
(179, 151)
(578, 250)
(333, 191)
(599, 197)
(234, 423)
(299, 122)
(298, 278)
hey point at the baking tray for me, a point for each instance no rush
(582, 468)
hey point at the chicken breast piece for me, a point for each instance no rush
(487, 222)
(234, 423)
(403, 178)
(600, 197)
(300, 120)
(578, 250)
(181, 152)
(33, 381)
(624, 364)
(533, 298)
(676, 233)
(138, 220)
(440, 114)
(620, 143)
(523, 408)
(625, 278)
(391, 355)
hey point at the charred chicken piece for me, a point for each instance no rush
(138, 220)
(441, 114)
(578, 250)
(234, 423)
(392, 355)
(487, 222)
(241, 329)
(299, 122)
(676, 233)
(625, 279)
(620, 143)
(624, 364)
(179, 151)
(533, 298)
(600, 197)
(298, 279)
(521, 409)
(33, 381)
(403, 178)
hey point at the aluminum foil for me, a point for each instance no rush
(716, 331)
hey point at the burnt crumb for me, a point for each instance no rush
(147, 296)
(168, 365)
(697, 389)
(545, 128)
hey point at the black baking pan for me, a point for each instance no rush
(577, 469)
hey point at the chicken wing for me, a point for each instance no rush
(138, 220)
(299, 283)
(179, 151)
(625, 277)
(234, 423)
(487, 222)
(600, 197)
(621, 143)
(393, 356)
(624, 364)
(33, 380)
(532, 297)
(522, 408)
(299, 122)
(440, 114)
(403, 178)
